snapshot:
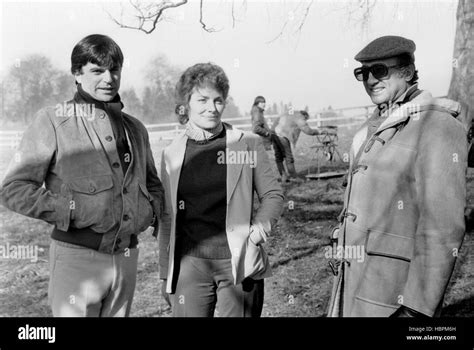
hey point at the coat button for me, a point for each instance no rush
(101, 115)
(108, 138)
(91, 189)
(116, 165)
(126, 217)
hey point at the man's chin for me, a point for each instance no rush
(105, 97)
(377, 100)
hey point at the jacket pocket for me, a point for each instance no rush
(389, 245)
(379, 283)
(92, 202)
(145, 208)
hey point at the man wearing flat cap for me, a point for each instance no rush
(406, 194)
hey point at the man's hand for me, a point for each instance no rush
(165, 295)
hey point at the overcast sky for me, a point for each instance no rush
(313, 68)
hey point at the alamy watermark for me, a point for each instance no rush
(19, 252)
(237, 157)
(352, 252)
(37, 333)
(86, 110)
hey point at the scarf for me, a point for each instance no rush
(195, 133)
(113, 109)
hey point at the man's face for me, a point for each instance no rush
(389, 88)
(99, 82)
(205, 107)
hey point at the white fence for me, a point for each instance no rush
(167, 131)
(10, 139)
(170, 130)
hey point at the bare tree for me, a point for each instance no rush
(31, 84)
(298, 21)
(147, 15)
(462, 81)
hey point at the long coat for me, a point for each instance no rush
(249, 258)
(404, 210)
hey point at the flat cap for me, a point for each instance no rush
(386, 46)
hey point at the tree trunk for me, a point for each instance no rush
(462, 81)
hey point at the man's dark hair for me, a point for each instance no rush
(98, 49)
(405, 60)
(199, 75)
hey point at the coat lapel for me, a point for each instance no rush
(234, 145)
(359, 139)
(175, 157)
(402, 113)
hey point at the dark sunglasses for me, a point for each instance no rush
(379, 71)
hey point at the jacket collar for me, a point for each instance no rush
(83, 97)
(175, 158)
(404, 111)
(233, 170)
(196, 133)
(408, 95)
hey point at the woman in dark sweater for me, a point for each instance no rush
(210, 241)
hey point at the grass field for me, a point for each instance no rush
(301, 283)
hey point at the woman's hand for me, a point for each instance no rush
(165, 295)
(255, 237)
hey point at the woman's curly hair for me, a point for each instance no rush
(199, 75)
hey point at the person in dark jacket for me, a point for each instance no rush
(269, 138)
(86, 167)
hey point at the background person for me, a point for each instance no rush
(288, 128)
(260, 127)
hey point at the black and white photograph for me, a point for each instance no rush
(290, 159)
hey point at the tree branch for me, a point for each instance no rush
(304, 17)
(279, 34)
(204, 26)
(233, 17)
(153, 14)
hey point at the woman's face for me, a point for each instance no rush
(205, 108)
(261, 105)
